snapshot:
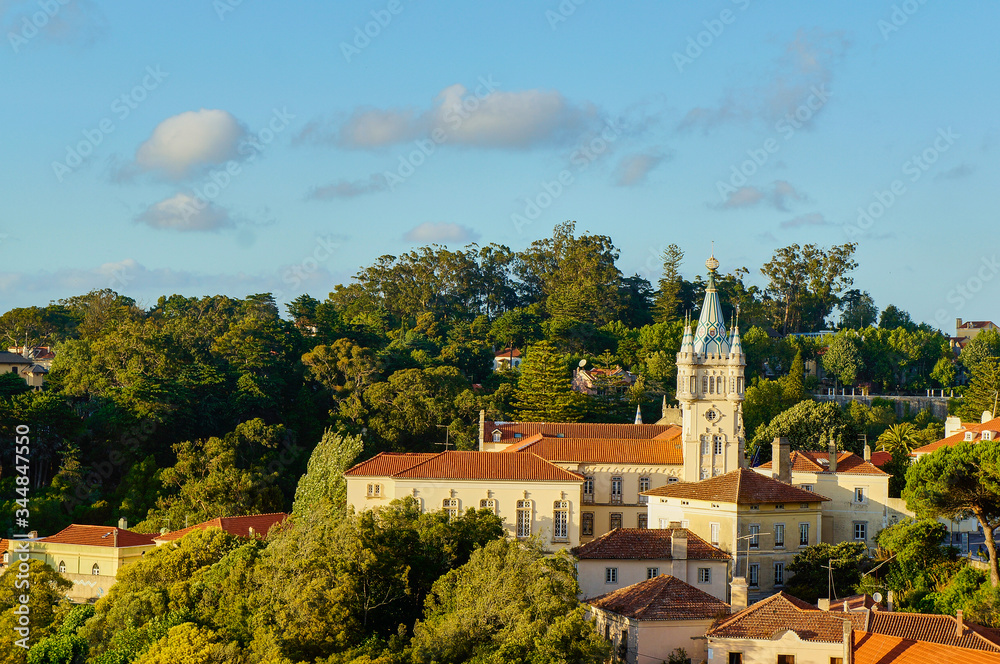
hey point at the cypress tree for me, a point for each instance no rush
(544, 392)
(794, 383)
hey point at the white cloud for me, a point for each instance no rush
(743, 197)
(429, 232)
(812, 219)
(183, 212)
(957, 173)
(777, 195)
(184, 144)
(349, 188)
(634, 168)
(484, 117)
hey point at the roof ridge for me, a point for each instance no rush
(416, 465)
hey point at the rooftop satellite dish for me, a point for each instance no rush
(877, 597)
(583, 363)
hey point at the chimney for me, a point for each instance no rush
(123, 523)
(678, 553)
(781, 460)
(482, 429)
(832, 449)
(738, 594)
(952, 425)
(958, 324)
(848, 642)
(959, 624)
(251, 532)
(868, 452)
(890, 601)
(823, 603)
(674, 524)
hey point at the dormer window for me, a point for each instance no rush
(517, 435)
(560, 435)
(496, 435)
(987, 435)
(970, 436)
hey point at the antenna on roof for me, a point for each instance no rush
(447, 435)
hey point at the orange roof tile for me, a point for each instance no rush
(387, 464)
(234, 525)
(663, 597)
(508, 430)
(933, 628)
(646, 544)
(110, 536)
(783, 611)
(959, 436)
(812, 462)
(603, 450)
(742, 486)
(879, 459)
(524, 467)
(872, 648)
(508, 353)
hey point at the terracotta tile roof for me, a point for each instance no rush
(387, 464)
(976, 324)
(881, 649)
(812, 462)
(603, 450)
(782, 611)
(110, 536)
(933, 628)
(664, 597)
(525, 467)
(646, 544)
(879, 459)
(234, 525)
(508, 353)
(742, 486)
(959, 436)
(855, 602)
(579, 430)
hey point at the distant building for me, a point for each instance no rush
(254, 525)
(32, 368)
(987, 429)
(594, 381)
(647, 621)
(506, 359)
(967, 331)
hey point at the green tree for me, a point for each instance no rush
(859, 310)
(984, 347)
(65, 646)
(11, 385)
(543, 391)
(810, 579)
(46, 606)
(189, 642)
(509, 603)
(982, 393)
(805, 284)
(944, 372)
(893, 317)
(843, 358)
(793, 384)
(902, 437)
(666, 306)
(324, 478)
(956, 481)
(809, 425)
(762, 402)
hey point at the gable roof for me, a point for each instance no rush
(663, 597)
(507, 353)
(959, 436)
(234, 525)
(783, 611)
(879, 459)
(387, 464)
(108, 536)
(872, 648)
(509, 430)
(935, 629)
(742, 486)
(848, 463)
(451, 464)
(646, 544)
(602, 450)
(13, 358)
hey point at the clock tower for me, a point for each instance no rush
(710, 390)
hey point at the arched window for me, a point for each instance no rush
(62, 567)
(95, 570)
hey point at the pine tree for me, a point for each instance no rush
(668, 298)
(543, 392)
(324, 476)
(793, 386)
(982, 392)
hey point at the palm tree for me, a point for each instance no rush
(899, 437)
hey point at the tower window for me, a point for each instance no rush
(704, 384)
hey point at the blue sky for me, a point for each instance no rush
(241, 147)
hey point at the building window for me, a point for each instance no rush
(374, 490)
(803, 506)
(694, 385)
(718, 445)
(643, 486)
(807, 487)
(642, 521)
(715, 534)
(752, 573)
(704, 575)
(803, 534)
(859, 494)
(560, 522)
(779, 574)
(496, 436)
(706, 445)
(755, 507)
(672, 480)
(488, 504)
(779, 506)
(732, 384)
(735, 658)
(588, 489)
(704, 385)
(450, 505)
(62, 567)
(587, 523)
(616, 490)
(754, 540)
(610, 575)
(779, 534)
(860, 531)
(969, 436)
(786, 659)
(836, 660)
(704, 473)
(616, 520)
(652, 572)
(95, 570)
(524, 518)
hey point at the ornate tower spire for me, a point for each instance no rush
(687, 342)
(638, 414)
(710, 336)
